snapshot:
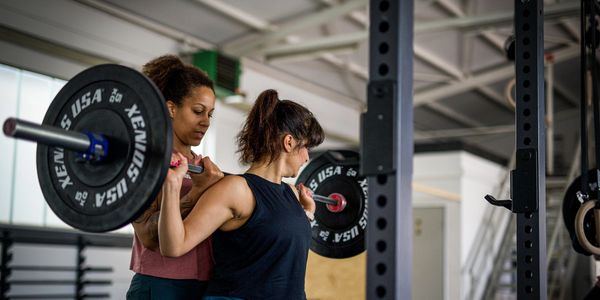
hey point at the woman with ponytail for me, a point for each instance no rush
(259, 225)
(190, 100)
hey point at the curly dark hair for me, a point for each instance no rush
(174, 78)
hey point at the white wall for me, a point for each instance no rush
(442, 171)
(335, 117)
(480, 177)
(428, 253)
(468, 176)
(220, 141)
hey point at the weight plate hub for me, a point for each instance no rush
(125, 106)
(337, 233)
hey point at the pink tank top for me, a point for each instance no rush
(196, 264)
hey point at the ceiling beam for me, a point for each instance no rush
(437, 62)
(321, 48)
(566, 93)
(497, 42)
(431, 77)
(357, 16)
(445, 134)
(572, 30)
(466, 132)
(153, 26)
(354, 68)
(242, 48)
(496, 97)
(238, 15)
(322, 54)
(454, 115)
(488, 77)
(442, 65)
(493, 19)
(341, 41)
(315, 48)
(452, 7)
(352, 39)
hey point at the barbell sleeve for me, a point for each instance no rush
(90, 145)
(45, 134)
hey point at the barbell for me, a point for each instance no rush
(94, 147)
(104, 148)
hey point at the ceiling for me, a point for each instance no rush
(461, 71)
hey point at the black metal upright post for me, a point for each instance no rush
(529, 186)
(79, 281)
(387, 150)
(5, 259)
(528, 180)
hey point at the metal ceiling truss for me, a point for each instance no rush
(266, 44)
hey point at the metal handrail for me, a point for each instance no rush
(487, 235)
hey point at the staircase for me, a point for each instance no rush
(490, 273)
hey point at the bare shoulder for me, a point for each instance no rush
(230, 182)
(231, 189)
(237, 195)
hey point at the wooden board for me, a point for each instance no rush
(334, 279)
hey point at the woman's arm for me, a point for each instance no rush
(146, 227)
(215, 207)
(143, 226)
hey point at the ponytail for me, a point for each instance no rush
(268, 121)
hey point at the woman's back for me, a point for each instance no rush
(266, 257)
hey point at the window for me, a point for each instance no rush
(24, 95)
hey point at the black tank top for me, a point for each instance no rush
(266, 257)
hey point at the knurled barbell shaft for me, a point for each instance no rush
(324, 199)
(317, 198)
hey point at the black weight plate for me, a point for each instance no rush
(337, 234)
(129, 110)
(570, 207)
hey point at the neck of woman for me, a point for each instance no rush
(186, 150)
(269, 171)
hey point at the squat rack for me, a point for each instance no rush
(386, 157)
